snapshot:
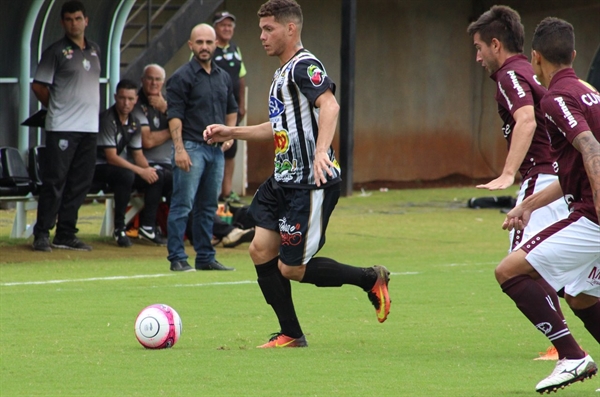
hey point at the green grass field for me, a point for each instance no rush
(66, 318)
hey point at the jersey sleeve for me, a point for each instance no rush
(564, 111)
(135, 142)
(107, 132)
(44, 73)
(138, 113)
(242, 66)
(311, 78)
(515, 90)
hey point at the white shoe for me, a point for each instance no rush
(567, 372)
(238, 236)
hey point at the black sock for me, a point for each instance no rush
(533, 302)
(277, 291)
(591, 319)
(325, 272)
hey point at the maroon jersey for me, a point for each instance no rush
(518, 87)
(572, 107)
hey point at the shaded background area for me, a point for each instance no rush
(424, 109)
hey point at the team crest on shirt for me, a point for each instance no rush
(275, 107)
(290, 234)
(68, 52)
(63, 144)
(316, 75)
(156, 121)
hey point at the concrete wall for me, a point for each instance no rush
(424, 108)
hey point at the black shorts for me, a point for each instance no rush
(230, 153)
(299, 215)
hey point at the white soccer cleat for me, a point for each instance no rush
(567, 372)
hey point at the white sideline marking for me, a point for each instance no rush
(404, 273)
(216, 283)
(76, 280)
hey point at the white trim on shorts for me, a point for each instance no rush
(314, 231)
(542, 217)
(567, 254)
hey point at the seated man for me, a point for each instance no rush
(121, 164)
(230, 235)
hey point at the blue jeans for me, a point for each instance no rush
(195, 192)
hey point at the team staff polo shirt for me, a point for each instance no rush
(517, 86)
(114, 134)
(199, 99)
(73, 77)
(229, 58)
(157, 121)
(572, 107)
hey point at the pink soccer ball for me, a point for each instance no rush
(158, 327)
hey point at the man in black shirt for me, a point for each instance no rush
(199, 93)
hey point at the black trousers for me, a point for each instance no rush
(122, 182)
(67, 170)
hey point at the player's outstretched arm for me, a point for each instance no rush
(221, 133)
(521, 141)
(589, 147)
(518, 217)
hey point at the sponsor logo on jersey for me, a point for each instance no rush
(508, 102)
(282, 142)
(290, 235)
(316, 75)
(516, 84)
(275, 107)
(566, 112)
(590, 99)
(506, 130)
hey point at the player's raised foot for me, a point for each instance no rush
(281, 340)
(551, 354)
(567, 372)
(379, 295)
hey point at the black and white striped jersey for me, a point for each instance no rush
(295, 119)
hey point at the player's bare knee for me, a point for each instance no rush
(581, 301)
(295, 273)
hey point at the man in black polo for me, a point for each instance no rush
(121, 164)
(67, 84)
(151, 108)
(229, 58)
(199, 93)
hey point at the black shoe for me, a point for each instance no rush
(41, 243)
(70, 243)
(121, 238)
(152, 235)
(213, 266)
(237, 237)
(181, 266)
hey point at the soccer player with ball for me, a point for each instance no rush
(292, 208)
